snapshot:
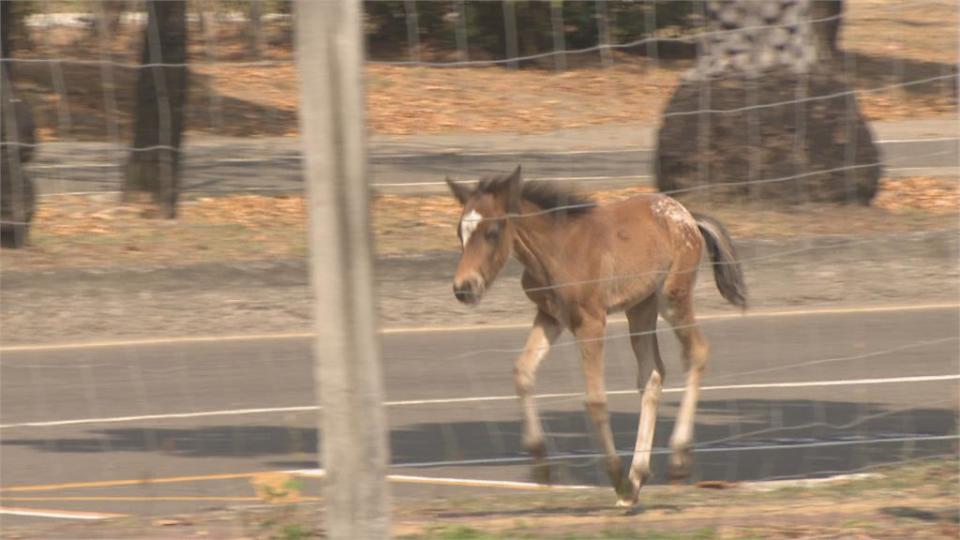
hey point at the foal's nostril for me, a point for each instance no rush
(465, 292)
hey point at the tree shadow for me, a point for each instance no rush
(737, 440)
(870, 71)
(87, 102)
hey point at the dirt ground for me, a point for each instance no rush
(889, 43)
(916, 500)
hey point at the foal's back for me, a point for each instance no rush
(629, 247)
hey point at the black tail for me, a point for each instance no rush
(726, 267)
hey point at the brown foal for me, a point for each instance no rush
(582, 261)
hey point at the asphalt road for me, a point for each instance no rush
(798, 395)
(221, 166)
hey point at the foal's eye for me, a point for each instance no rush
(493, 233)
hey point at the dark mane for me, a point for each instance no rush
(547, 196)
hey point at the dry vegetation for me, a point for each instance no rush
(890, 43)
(907, 501)
(89, 231)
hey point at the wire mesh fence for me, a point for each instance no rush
(138, 351)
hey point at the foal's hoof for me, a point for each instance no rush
(628, 498)
(628, 492)
(680, 465)
(543, 473)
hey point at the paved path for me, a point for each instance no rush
(599, 157)
(178, 426)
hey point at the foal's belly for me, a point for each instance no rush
(614, 295)
(624, 296)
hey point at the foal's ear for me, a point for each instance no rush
(460, 191)
(514, 185)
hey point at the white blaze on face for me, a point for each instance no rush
(469, 224)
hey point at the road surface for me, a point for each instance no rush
(232, 165)
(177, 426)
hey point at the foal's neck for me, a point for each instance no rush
(534, 242)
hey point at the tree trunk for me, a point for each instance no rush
(762, 116)
(255, 15)
(17, 137)
(826, 16)
(108, 14)
(154, 163)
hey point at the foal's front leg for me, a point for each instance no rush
(544, 332)
(590, 336)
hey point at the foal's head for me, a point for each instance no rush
(485, 232)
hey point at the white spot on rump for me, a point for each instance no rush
(674, 211)
(469, 224)
(671, 211)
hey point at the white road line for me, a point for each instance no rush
(162, 416)
(601, 178)
(477, 327)
(478, 399)
(708, 317)
(155, 341)
(313, 473)
(676, 390)
(667, 451)
(468, 482)
(56, 514)
(449, 151)
(645, 180)
(462, 482)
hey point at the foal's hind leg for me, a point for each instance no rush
(676, 306)
(643, 338)
(544, 332)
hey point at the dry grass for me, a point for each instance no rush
(85, 231)
(908, 30)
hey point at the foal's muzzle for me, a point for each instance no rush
(469, 291)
